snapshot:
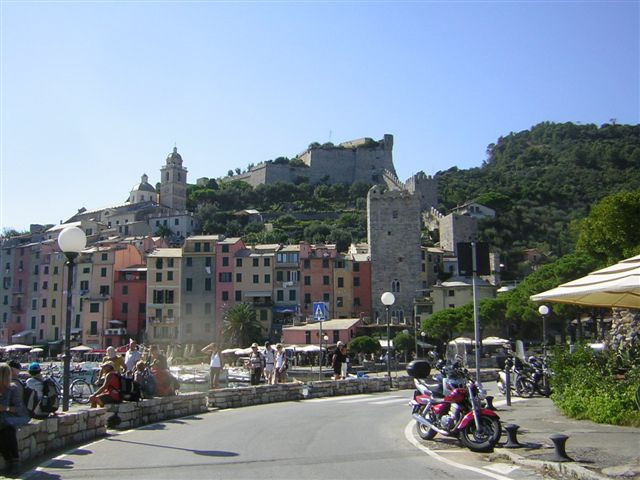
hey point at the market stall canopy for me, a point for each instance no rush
(497, 341)
(81, 348)
(464, 340)
(614, 286)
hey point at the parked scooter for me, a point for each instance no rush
(450, 404)
(525, 378)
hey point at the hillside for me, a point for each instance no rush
(543, 179)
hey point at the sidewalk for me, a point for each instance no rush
(599, 451)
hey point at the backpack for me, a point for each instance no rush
(50, 400)
(29, 399)
(129, 389)
(147, 384)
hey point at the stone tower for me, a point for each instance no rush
(393, 230)
(173, 182)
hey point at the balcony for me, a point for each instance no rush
(17, 309)
(115, 331)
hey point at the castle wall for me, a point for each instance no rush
(393, 231)
(456, 228)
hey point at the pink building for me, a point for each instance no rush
(224, 291)
(343, 329)
(317, 277)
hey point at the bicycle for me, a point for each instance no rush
(79, 389)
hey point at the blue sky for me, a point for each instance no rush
(94, 94)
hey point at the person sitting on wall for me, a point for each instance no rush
(165, 382)
(10, 419)
(109, 392)
(117, 360)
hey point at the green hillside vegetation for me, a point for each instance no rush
(541, 181)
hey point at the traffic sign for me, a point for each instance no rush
(319, 312)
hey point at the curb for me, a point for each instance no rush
(565, 468)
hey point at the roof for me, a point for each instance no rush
(166, 252)
(64, 225)
(203, 237)
(336, 324)
(289, 248)
(230, 240)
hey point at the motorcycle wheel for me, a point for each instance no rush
(482, 440)
(545, 390)
(524, 387)
(425, 433)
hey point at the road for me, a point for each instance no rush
(355, 437)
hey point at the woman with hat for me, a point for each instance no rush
(109, 392)
(117, 360)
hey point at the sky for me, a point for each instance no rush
(94, 93)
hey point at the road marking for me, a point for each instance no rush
(408, 433)
(361, 398)
(393, 400)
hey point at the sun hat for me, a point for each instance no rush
(111, 352)
(34, 367)
(279, 345)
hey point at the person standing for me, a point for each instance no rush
(336, 361)
(215, 364)
(256, 364)
(10, 419)
(281, 365)
(132, 357)
(345, 363)
(269, 362)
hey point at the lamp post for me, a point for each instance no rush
(388, 299)
(406, 332)
(423, 335)
(544, 311)
(71, 241)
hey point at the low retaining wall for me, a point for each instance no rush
(40, 436)
(259, 394)
(122, 416)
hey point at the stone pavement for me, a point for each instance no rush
(599, 451)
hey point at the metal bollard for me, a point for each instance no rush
(489, 401)
(512, 436)
(559, 443)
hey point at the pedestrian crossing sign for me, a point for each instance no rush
(319, 312)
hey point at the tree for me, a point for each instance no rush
(403, 342)
(444, 324)
(241, 326)
(364, 344)
(611, 232)
(164, 231)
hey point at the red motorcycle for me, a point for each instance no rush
(451, 405)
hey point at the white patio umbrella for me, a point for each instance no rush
(309, 349)
(81, 348)
(18, 346)
(36, 350)
(228, 351)
(614, 286)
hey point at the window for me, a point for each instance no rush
(356, 301)
(84, 284)
(307, 337)
(394, 214)
(93, 329)
(55, 287)
(306, 263)
(125, 307)
(207, 309)
(53, 303)
(307, 298)
(238, 295)
(207, 262)
(94, 307)
(125, 290)
(255, 262)
(104, 256)
(339, 301)
(170, 263)
(292, 295)
(225, 248)
(207, 284)
(336, 336)
(189, 261)
(189, 286)
(44, 303)
(34, 304)
(325, 263)
(198, 247)
(356, 281)
(279, 295)
(104, 289)
(158, 296)
(169, 276)
(238, 277)
(339, 263)
(77, 325)
(158, 276)
(103, 272)
(326, 298)
(225, 296)
(225, 261)
(263, 316)
(35, 287)
(41, 318)
(267, 262)
(176, 222)
(279, 276)
(256, 279)
(55, 270)
(224, 277)
(267, 278)
(451, 293)
(307, 280)
(325, 280)
(45, 285)
(238, 262)
(142, 307)
(340, 282)
(159, 263)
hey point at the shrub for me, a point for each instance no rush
(587, 385)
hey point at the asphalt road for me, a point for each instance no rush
(352, 437)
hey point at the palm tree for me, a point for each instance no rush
(241, 326)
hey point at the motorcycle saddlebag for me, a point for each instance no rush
(419, 369)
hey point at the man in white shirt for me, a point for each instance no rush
(132, 356)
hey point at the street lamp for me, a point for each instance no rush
(423, 335)
(388, 299)
(406, 332)
(544, 311)
(71, 241)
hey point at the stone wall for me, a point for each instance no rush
(256, 395)
(625, 330)
(40, 436)
(127, 415)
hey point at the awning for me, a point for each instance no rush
(23, 333)
(383, 343)
(285, 309)
(258, 293)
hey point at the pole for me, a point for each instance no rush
(544, 336)
(320, 340)
(476, 323)
(388, 345)
(66, 372)
(415, 329)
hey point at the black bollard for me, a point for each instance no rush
(559, 444)
(489, 401)
(512, 436)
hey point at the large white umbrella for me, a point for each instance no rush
(18, 346)
(81, 348)
(614, 286)
(36, 350)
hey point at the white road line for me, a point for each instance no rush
(393, 400)
(341, 398)
(408, 433)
